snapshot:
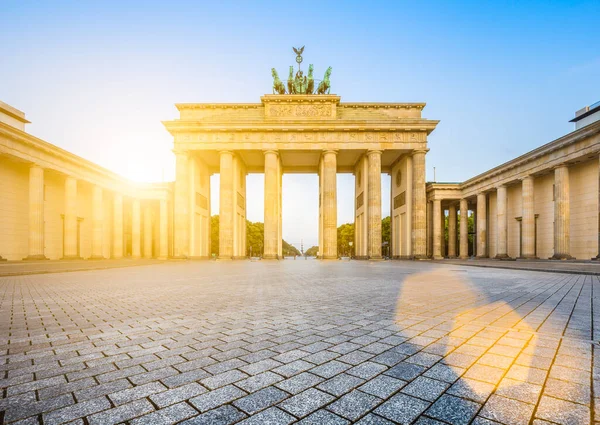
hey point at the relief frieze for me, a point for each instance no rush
(303, 137)
(300, 111)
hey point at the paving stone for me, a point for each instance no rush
(135, 393)
(507, 411)
(425, 388)
(405, 371)
(272, 416)
(323, 417)
(522, 391)
(262, 380)
(372, 419)
(166, 398)
(223, 379)
(330, 369)
(402, 408)
(76, 411)
(354, 405)
(22, 411)
(260, 400)
(382, 386)
(224, 415)
(340, 384)
(454, 410)
(306, 402)
(167, 416)
(562, 412)
(299, 383)
(470, 389)
(366, 370)
(218, 397)
(121, 414)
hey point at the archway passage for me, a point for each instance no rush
(302, 133)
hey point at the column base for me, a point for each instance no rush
(528, 257)
(224, 258)
(503, 257)
(98, 257)
(438, 257)
(463, 257)
(239, 257)
(482, 257)
(35, 257)
(270, 257)
(176, 257)
(195, 257)
(361, 257)
(420, 257)
(596, 258)
(561, 257)
(164, 258)
(376, 258)
(71, 257)
(329, 257)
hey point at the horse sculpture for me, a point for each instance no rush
(278, 86)
(290, 81)
(324, 86)
(311, 81)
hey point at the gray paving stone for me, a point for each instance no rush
(306, 402)
(323, 417)
(426, 388)
(135, 393)
(224, 415)
(562, 412)
(121, 414)
(223, 379)
(299, 383)
(367, 370)
(405, 371)
(372, 419)
(382, 386)
(262, 380)
(166, 398)
(166, 416)
(260, 400)
(76, 411)
(507, 411)
(354, 405)
(215, 398)
(330, 369)
(454, 410)
(402, 408)
(472, 390)
(272, 416)
(340, 384)
(22, 411)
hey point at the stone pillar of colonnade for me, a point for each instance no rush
(329, 207)
(528, 219)
(502, 224)
(147, 231)
(36, 214)
(443, 231)
(429, 222)
(464, 229)
(452, 231)
(182, 206)
(70, 220)
(597, 257)
(437, 228)
(562, 215)
(481, 226)
(136, 230)
(272, 205)
(97, 223)
(419, 206)
(226, 206)
(163, 251)
(374, 204)
(117, 226)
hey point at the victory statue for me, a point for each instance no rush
(300, 83)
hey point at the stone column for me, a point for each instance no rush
(226, 206)
(147, 231)
(118, 226)
(597, 257)
(136, 229)
(452, 231)
(464, 229)
(36, 214)
(562, 214)
(329, 204)
(429, 224)
(481, 226)
(443, 232)
(271, 244)
(182, 206)
(97, 223)
(70, 223)
(163, 251)
(527, 219)
(419, 206)
(502, 224)
(437, 229)
(374, 204)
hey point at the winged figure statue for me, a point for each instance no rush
(299, 50)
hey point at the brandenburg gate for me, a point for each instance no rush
(307, 131)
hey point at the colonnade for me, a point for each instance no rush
(71, 217)
(500, 241)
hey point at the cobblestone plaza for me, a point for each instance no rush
(298, 341)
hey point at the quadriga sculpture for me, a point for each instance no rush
(324, 85)
(278, 86)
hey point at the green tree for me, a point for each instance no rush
(255, 238)
(345, 235)
(312, 251)
(289, 250)
(214, 235)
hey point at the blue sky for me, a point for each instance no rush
(97, 78)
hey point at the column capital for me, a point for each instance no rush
(529, 177)
(36, 165)
(333, 151)
(374, 151)
(418, 151)
(222, 151)
(563, 165)
(501, 186)
(275, 151)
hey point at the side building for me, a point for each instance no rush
(56, 205)
(543, 204)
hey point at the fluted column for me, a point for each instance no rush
(271, 243)
(329, 204)
(70, 223)
(374, 204)
(502, 223)
(481, 226)
(464, 229)
(136, 230)
(36, 214)
(182, 206)
(147, 232)
(437, 228)
(163, 251)
(117, 226)
(419, 206)
(562, 214)
(97, 223)
(226, 206)
(597, 257)
(527, 219)
(452, 231)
